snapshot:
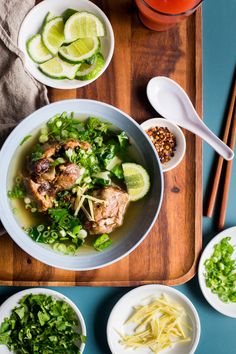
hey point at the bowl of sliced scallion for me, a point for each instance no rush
(41, 320)
(76, 178)
(217, 272)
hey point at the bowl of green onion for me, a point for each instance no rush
(217, 272)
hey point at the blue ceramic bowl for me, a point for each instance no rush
(140, 216)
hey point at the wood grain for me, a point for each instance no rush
(170, 252)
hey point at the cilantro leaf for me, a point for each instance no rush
(43, 325)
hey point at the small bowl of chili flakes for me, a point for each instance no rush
(168, 140)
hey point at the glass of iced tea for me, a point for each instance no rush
(160, 15)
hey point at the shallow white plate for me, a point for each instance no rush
(228, 309)
(123, 309)
(180, 140)
(13, 301)
(33, 22)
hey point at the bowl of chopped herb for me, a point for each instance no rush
(55, 324)
(168, 140)
(217, 272)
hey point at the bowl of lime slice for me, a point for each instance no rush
(66, 46)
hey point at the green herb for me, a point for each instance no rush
(37, 153)
(62, 231)
(118, 171)
(63, 218)
(123, 140)
(95, 124)
(41, 325)
(58, 214)
(102, 242)
(220, 271)
(25, 139)
(18, 191)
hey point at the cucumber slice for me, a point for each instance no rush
(59, 69)
(37, 50)
(53, 34)
(90, 71)
(137, 180)
(80, 50)
(83, 25)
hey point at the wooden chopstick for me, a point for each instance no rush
(215, 185)
(223, 208)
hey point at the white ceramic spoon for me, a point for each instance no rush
(171, 101)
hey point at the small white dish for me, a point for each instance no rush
(13, 301)
(180, 140)
(33, 22)
(227, 309)
(124, 307)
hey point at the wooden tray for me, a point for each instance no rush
(170, 252)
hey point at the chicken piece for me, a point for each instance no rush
(108, 215)
(40, 192)
(41, 166)
(50, 175)
(72, 144)
(50, 150)
(68, 177)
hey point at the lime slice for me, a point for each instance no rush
(48, 17)
(137, 180)
(53, 34)
(83, 25)
(90, 71)
(68, 13)
(59, 69)
(80, 50)
(37, 50)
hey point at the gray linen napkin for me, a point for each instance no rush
(20, 93)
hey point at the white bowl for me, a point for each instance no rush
(180, 140)
(136, 224)
(32, 23)
(227, 309)
(123, 309)
(13, 301)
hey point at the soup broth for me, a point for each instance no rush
(27, 219)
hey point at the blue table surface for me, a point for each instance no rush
(218, 331)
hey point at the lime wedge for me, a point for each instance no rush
(48, 17)
(90, 71)
(137, 180)
(37, 50)
(80, 50)
(59, 69)
(53, 34)
(68, 13)
(83, 25)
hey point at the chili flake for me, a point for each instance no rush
(164, 142)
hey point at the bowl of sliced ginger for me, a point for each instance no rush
(153, 319)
